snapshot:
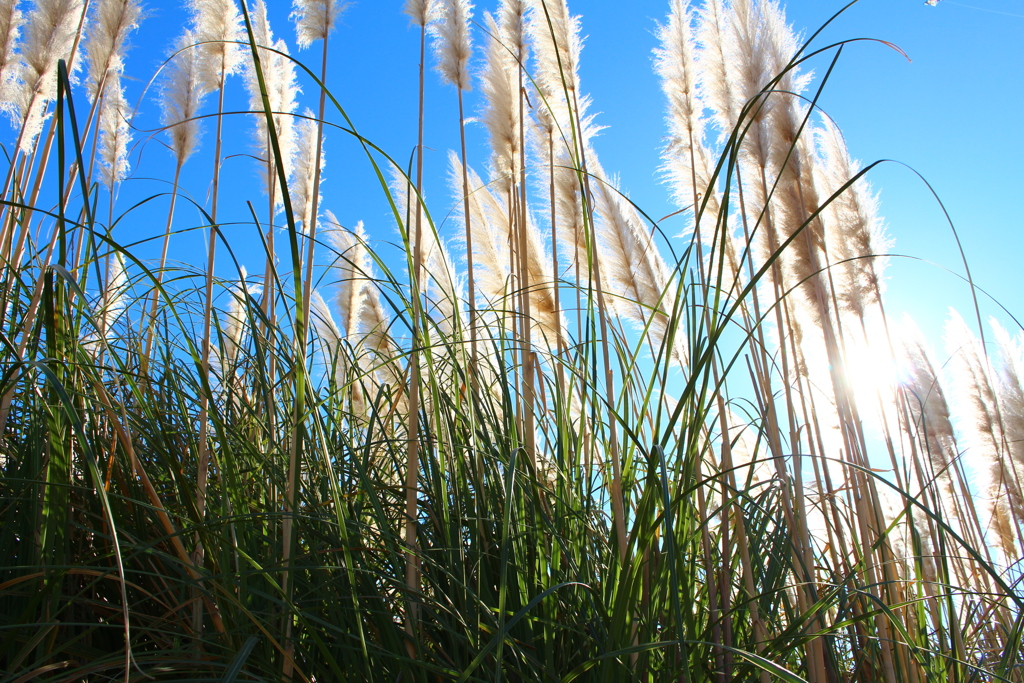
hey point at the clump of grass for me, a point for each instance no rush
(610, 457)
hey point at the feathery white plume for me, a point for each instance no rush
(687, 163)
(685, 156)
(491, 235)
(182, 97)
(853, 229)
(105, 50)
(501, 92)
(546, 318)
(236, 319)
(453, 44)
(218, 28)
(279, 78)
(489, 223)
(305, 170)
(1011, 393)
(323, 321)
(783, 148)
(512, 17)
(375, 324)
(115, 134)
(329, 335)
(421, 12)
(315, 19)
(375, 335)
(109, 306)
(715, 82)
(930, 419)
(631, 266)
(11, 19)
(982, 421)
(353, 264)
(569, 205)
(49, 37)
(114, 300)
(556, 38)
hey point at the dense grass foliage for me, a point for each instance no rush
(594, 454)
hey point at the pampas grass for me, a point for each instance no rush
(616, 455)
(182, 98)
(308, 158)
(105, 49)
(984, 424)
(421, 12)
(279, 76)
(218, 28)
(115, 135)
(315, 19)
(52, 31)
(11, 19)
(453, 44)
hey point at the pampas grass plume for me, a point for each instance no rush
(984, 425)
(489, 225)
(236, 318)
(50, 33)
(929, 409)
(421, 12)
(218, 27)
(306, 158)
(556, 38)
(632, 267)
(115, 135)
(352, 263)
(114, 293)
(1011, 393)
(453, 43)
(685, 156)
(11, 20)
(854, 232)
(714, 83)
(315, 19)
(182, 97)
(114, 20)
(279, 78)
(501, 87)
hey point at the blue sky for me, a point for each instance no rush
(951, 113)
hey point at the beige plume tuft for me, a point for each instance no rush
(931, 424)
(353, 264)
(50, 34)
(501, 91)
(182, 98)
(279, 78)
(115, 135)
(633, 269)
(219, 32)
(854, 232)
(421, 12)
(686, 159)
(489, 223)
(982, 421)
(105, 50)
(453, 43)
(236, 319)
(304, 178)
(315, 19)
(11, 20)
